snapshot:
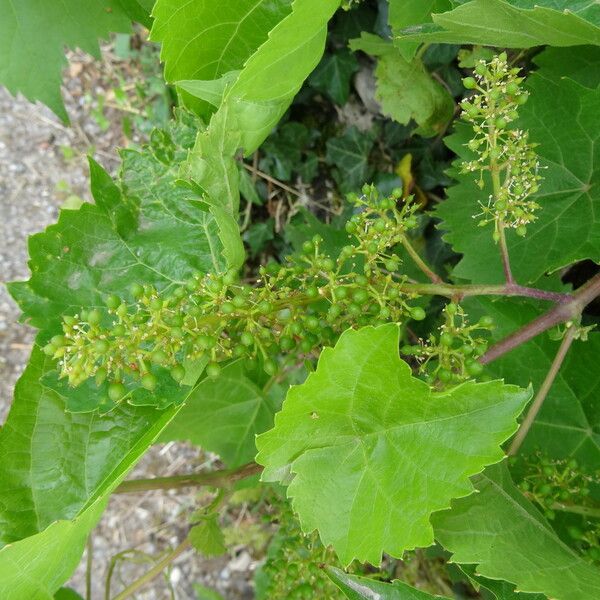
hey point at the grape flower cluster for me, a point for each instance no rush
(505, 153)
(279, 320)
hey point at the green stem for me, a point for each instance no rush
(543, 391)
(419, 261)
(88, 568)
(223, 478)
(154, 571)
(586, 511)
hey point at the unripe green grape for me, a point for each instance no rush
(417, 313)
(351, 227)
(354, 310)
(385, 312)
(83, 315)
(393, 293)
(373, 247)
(101, 346)
(466, 349)
(486, 321)
(308, 247)
(156, 304)
(380, 225)
(470, 83)
(214, 285)
(521, 230)
(522, 99)
(500, 123)
(112, 301)
(118, 330)
(136, 290)
(296, 328)
(69, 320)
(360, 296)
(341, 293)
(239, 351)
(451, 308)
(500, 205)
(159, 357)
(327, 264)
(122, 310)
(178, 373)
(239, 301)
(306, 345)
(473, 368)
(444, 376)
(116, 391)
(335, 310)
(227, 308)
(176, 332)
(148, 381)
(312, 291)
(207, 342)
(481, 69)
(361, 280)
(94, 317)
(264, 307)
(446, 339)
(411, 222)
(247, 339)
(312, 323)
(286, 343)
(176, 320)
(391, 265)
(347, 251)
(58, 341)
(179, 293)
(213, 370)
(49, 349)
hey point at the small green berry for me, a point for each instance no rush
(178, 373)
(213, 370)
(470, 83)
(94, 317)
(136, 290)
(417, 313)
(116, 391)
(112, 302)
(474, 368)
(149, 381)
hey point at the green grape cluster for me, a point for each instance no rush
(293, 309)
(450, 356)
(507, 154)
(549, 481)
(294, 567)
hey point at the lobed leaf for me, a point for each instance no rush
(372, 452)
(504, 534)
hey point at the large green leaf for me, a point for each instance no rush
(405, 89)
(361, 588)
(56, 473)
(568, 424)
(34, 33)
(514, 23)
(562, 117)
(224, 415)
(204, 39)
(504, 534)
(373, 452)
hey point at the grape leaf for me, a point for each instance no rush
(403, 13)
(568, 424)
(513, 23)
(207, 538)
(67, 594)
(373, 452)
(205, 40)
(405, 89)
(56, 473)
(500, 590)
(333, 74)
(33, 35)
(224, 415)
(562, 117)
(504, 534)
(362, 588)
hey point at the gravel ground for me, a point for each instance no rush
(35, 179)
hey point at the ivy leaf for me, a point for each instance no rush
(568, 424)
(403, 13)
(362, 588)
(513, 24)
(207, 538)
(561, 116)
(224, 415)
(405, 89)
(372, 452)
(505, 535)
(332, 76)
(258, 234)
(56, 473)
(203, 40)
(350, 155)
(31, 63)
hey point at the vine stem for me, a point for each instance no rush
(543, 391)
(222, 478)
(154, 571)
(559, 314)
(504, 254)
(423, 266)
(586, 511)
